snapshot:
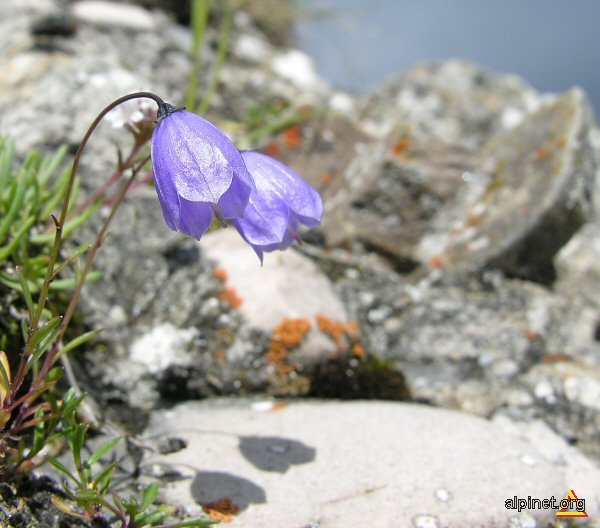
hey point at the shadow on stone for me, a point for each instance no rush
(273, 453)
(212, 486)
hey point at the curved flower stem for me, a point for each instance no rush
(59, 223)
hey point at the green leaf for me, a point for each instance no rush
(38, 432)
(69, 284)
(54, 375)
(69, 226)
(73, 258)
(6, 251)
(103, 480)
(151, 518)
(78, 341)
(101, 451)
(7, 154)
(48, 165)
(43, 338)
(70, 402)
(58, 465)
(149, 496)
(76, 440)
(16, 203)
(58, 192)
(197, 522)
(25, 291)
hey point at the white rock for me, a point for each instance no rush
(161, 347)
(104, 13)
(251, 48)
(331, 464)
(288, 285)
(297, 67)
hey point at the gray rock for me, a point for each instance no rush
(453, 103)
(578, 266)
(532, 193)
(429, 137)
(567, 395)
(394, 464)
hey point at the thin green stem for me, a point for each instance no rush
(49, 360)
(199, 17)
(59, 223)
(222, 50)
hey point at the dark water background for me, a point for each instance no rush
(553, 44)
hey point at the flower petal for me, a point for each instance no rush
(196, 156)
(165, 188)
(196, 218)
(265, 220)
(234, 201)
(270, 174)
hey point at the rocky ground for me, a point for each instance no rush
(457, 268)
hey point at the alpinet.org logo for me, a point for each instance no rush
(571, 506)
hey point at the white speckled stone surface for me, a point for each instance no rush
(380, 464)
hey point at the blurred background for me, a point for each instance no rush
(553, 44)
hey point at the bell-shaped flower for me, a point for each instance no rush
(198, 172)
(281, 201)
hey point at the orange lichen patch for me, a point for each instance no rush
(221, 510)
(358, 350)
(279, 405)
(292, 136)
(219, 355)
(401, 146)
(272, 149)
(334, 329)
(286, 336)
(561, 143)
(474, 219)
(556, 358)
(291, 332)
(220, 274)
(230, 295)
(326, 178)
(352, 327)
(345, 336)
(541, 153)
(531, 335)
(436, 261)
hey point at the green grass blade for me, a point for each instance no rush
(78, 341)
(222, 50)
(101, 451)
(26, 292)
(199, 16)
(6, 251)
(69, 284)
(49, 165)
(7, 156)
(15, 206)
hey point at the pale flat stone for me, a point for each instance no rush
(339, 465)
(104, 13)
(288, 285)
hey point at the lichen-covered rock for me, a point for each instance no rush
(430, 125)
(530, 195)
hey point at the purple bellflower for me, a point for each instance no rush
(199, 174)
(281, 201)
